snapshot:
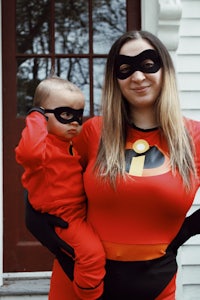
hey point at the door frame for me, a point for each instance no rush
(1, 160)
(146, 21)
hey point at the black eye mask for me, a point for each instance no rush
(66, 114)
(147, 61)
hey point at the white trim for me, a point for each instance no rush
(1, 162)
(149, 13)
(45, 274)
(179, 279)
(162, 18)
(170, 12)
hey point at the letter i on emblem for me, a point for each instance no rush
(137, 163)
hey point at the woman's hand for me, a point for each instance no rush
(189, 228)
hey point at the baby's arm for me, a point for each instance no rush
(31, 147)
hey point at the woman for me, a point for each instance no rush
(142, 171)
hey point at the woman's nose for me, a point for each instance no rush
(138, 76)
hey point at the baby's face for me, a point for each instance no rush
(65, 121)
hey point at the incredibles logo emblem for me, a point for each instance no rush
(145, 160)
(137, 163)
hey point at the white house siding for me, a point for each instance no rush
(188, 58)
(188, 73)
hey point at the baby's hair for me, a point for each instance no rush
(52, 82)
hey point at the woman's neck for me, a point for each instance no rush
(144, 119)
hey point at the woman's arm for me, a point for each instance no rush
(190, 227)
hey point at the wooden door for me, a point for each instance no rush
(21, 251)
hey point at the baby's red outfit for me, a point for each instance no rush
(53, 179)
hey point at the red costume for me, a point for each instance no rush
(137, 221)
(53, 179)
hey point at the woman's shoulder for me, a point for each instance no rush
(192, 125)
(90, 133)
(93, 121)
(92, 125)
(88, 139)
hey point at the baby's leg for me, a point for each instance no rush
(89, 268)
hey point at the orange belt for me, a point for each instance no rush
(125, 252)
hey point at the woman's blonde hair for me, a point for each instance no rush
(110, 160)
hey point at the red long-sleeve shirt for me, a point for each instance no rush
(52, 176)
(146, 209)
